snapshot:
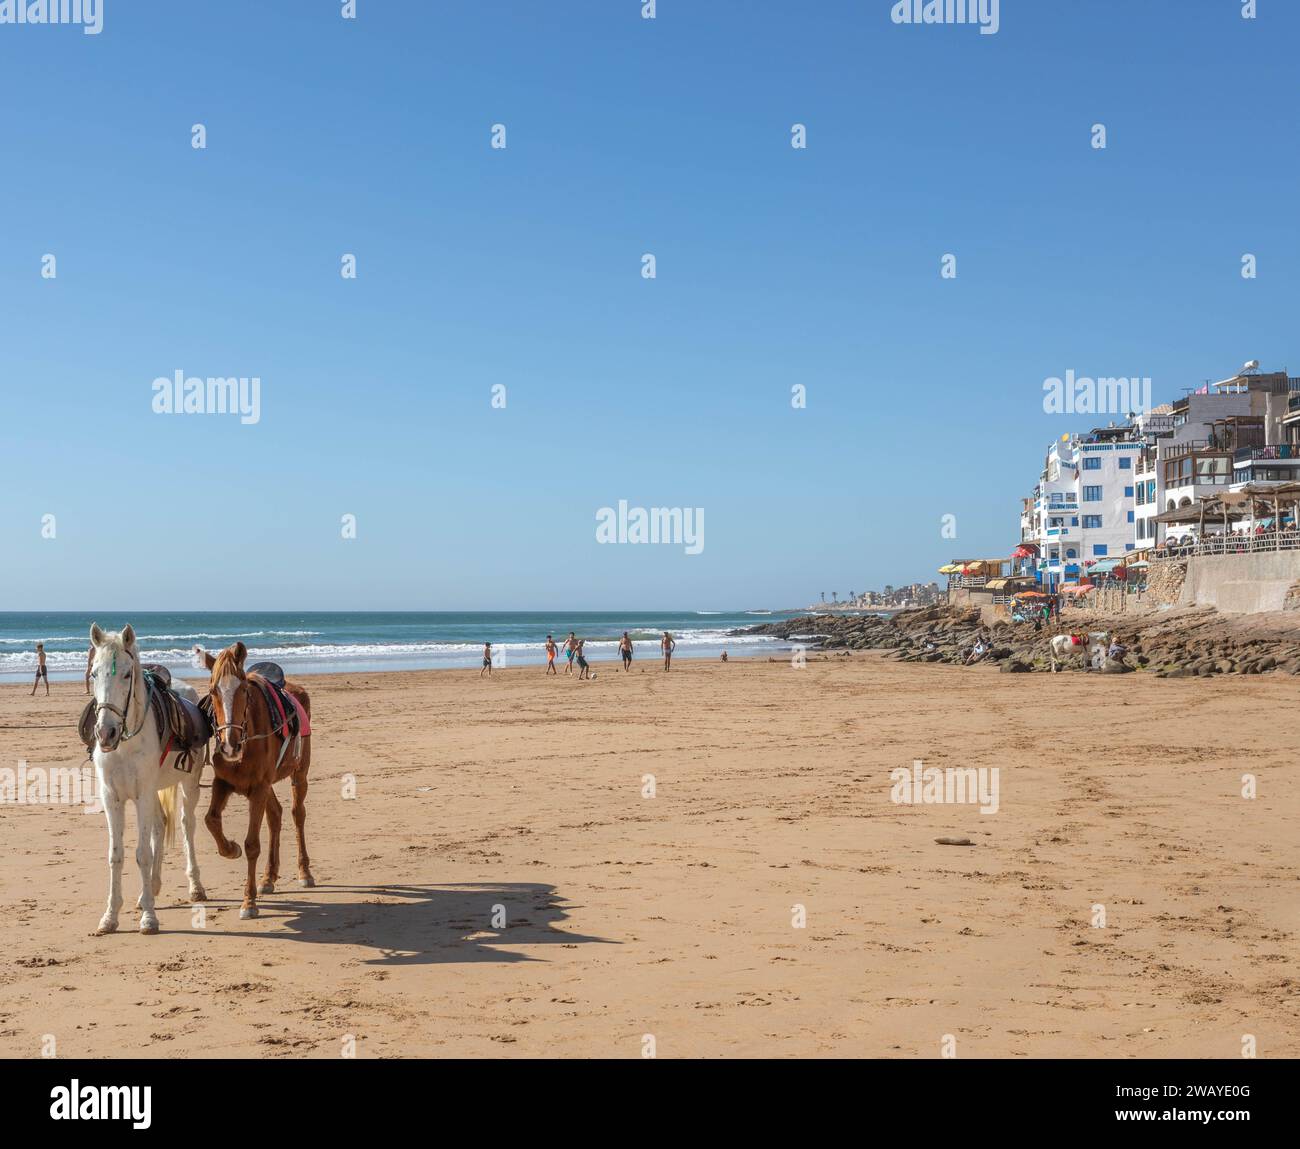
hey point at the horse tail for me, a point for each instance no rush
(167, 799)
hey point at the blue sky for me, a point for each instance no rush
(521, 266)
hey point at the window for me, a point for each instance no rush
(1128, 492)
(1074, 520)
(1130, 516)
(1125, 463)
(1092, 494)
(1098, 550)
(1128, 546)
(1071, 553)
(1091, 522)
(1091, 463)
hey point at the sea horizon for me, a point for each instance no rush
(339, 641)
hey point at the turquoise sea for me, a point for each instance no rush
(323, 642)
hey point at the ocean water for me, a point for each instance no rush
(326, 642)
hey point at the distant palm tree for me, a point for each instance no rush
(823, 596)
(835, 596)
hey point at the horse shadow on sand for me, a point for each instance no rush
(416, 925)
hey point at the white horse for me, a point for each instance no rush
(131, 764)
(1092, 644)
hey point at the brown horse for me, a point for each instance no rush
(248, 749)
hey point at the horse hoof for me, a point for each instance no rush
(307, 882)
(246, 912)
(149, 925)
(107, 925)
(266, 888)
(235, 852)
(198, 894)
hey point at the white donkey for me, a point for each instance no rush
(1093, 644)
(131, 764)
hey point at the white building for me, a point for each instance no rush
(1082, 510)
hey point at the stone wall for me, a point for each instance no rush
(1165, 582)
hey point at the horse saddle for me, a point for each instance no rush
(181, 724)
(271, 671)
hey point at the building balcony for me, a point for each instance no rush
(1276, 451)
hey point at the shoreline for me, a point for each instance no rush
(372, 641)
(331, 669)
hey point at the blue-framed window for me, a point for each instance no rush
(1074, 520)
(1099, 550)
(1125, 463)
(1128, 492)
(1130, 516)
(1092, 494)
(1092, 522)
(1091, 463)
(1129, 546)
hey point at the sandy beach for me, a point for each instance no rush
(672, 915)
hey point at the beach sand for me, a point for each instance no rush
(671, 915)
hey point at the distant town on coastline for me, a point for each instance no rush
(1214, 473)
(890, 598)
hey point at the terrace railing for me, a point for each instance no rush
(1231, 544)
(1276, 451)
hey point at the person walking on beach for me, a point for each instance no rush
(667, 645)
(570, 649)
(584, 671)
(550, 655)
(625, 649)
(487, 660)
(41, 672)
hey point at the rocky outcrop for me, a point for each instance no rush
(1166, 643)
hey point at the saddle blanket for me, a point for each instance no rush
(291, 719)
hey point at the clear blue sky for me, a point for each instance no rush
(522, 267)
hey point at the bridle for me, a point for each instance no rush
(242, 727)
(127, 734)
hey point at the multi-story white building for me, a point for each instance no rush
(1212, 439)
(1081, 511)
(1219, 437)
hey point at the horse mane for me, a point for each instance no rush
(226, 663)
